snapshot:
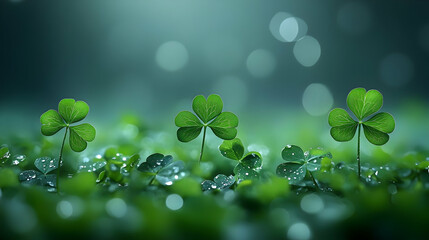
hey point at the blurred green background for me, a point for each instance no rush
(280, 65)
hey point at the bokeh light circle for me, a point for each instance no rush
(174, 202)
(354, 18)
(275, 22)
(317, 99)
(299, 231)
(312, 203)
(293, 28)
(289, 29)
(64, 209)
(172, 56)
(116, 207)
(261, 63)
(396, 69)
(307, 51)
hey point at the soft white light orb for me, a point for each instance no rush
(317, 99)
(172, 56)
(261, 63)
(307, 51)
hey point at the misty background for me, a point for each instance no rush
(265, 58)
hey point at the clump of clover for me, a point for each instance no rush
(363, 104)
(117, 167)
(69, 112)
(248, 165)
(45, 165)
(209, 112)
(162, 169)
(220, 182)
(299, 163)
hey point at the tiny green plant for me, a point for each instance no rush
(116, 167)
(247, 166)
(45, 165)
(163, 169)
(209, 112)
(7, 159)
(69, 112)
(299, 163)
(220, 182)
(363, 104)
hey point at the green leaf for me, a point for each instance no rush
(86, 131)
(30, 177)
(224, 126)
(132, 162)
(207, 109)
(187, 119)
(46, 164)
(252, 160)
(155, 162)
(340, 117)
(77, 143)
(220, 182)
(383, 122)
(225, 133)
(363, 103)
(245, 173)
(51, 122)
(79, 135)
(186, 134)
(344, 133)
(4, 153)
(294, 172)
(73, 111)
(171, 173)
(375, 136)
(232, 149)
(293, 153)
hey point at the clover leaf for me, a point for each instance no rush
(45, 165)
(220, 182)
(208, 114)
(163, 169)
(69, 112)
(232, 149)
(299, 163)
(363, 104)
(247, 166)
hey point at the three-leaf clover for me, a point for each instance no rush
(220, 182)
(163, 169)
(209, 112)
(45, 165)
(363, 104)
(248, 166)
(69, 112)
(298, 163)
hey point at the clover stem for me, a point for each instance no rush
(59, 160)
(151, 181)
(314, 180)
(358, 151)
(202, 145)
